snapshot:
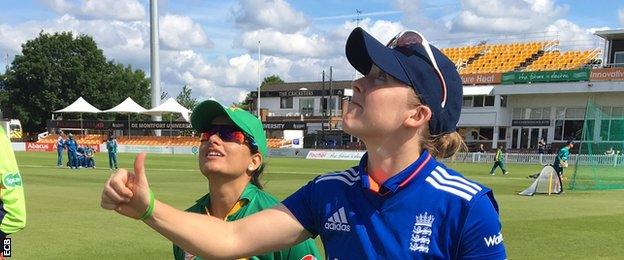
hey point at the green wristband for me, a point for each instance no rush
(150, 208)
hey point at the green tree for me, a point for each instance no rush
(4, 96)
(53, 70)
(185, 99)
(273, 79)
(246, 103)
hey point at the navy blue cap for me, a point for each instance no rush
(411, 64)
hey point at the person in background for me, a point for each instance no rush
(541, 146)
(89, 157)
(561, 160)
(13, 204)
(72, 151)
(111, 146)
(60, 146)
(610, 152)
(80, 154)
(481, 149)
(499, 161)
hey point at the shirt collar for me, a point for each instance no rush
(248, 193)
(397, 181)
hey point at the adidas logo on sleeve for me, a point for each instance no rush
(338, 221)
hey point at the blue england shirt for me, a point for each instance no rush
(426, 211)
(60, 144)
(72, 145)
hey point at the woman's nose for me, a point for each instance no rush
(357, 85)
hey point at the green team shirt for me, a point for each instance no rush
(256, 200)
(563, 155)
(12, 204)
(111, 146)
(499, 155)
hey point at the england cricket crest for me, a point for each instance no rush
(421, 233)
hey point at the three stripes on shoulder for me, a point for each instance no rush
(349, 177)
(439, 178)
(442, 180)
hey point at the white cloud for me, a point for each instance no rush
(275, 14)
(508, 16)
(125, 10)
(621, 16)
(11, 38)
(572, 36)
(59, 6)
(223, 80)
(277, 43)
(180, 32)
(382, 30)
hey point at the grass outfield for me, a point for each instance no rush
(66, 221)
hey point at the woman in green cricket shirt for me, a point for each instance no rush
(499, 161)
(231, 154)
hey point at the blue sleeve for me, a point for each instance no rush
(301, 205)
(481, 236)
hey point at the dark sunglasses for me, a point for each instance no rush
(406, 38)
(229, 133)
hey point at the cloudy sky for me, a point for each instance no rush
(212, 45)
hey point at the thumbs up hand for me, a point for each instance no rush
(126, 192)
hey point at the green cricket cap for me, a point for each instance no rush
(208, 110)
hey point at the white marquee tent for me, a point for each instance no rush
(129, 107)
(170, 106)
(79, 106)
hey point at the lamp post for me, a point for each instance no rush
(258, 99)
(154, 60)
(323, 109)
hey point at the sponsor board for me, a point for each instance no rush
(606, 74)
(144, 149)
(36, 147)
(481, 79)
(335, 155)
(545, 76)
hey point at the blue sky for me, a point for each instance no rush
(212, 45)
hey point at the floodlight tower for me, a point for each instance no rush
(154, 60)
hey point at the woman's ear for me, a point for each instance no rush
(417, 116)
(256, 161)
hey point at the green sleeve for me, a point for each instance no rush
(566, 155)
(12, 207)
(178, 253)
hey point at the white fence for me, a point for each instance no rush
(584, 159)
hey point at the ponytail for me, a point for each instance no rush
(443, 145)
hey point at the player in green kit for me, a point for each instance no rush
(561, 160)
(499, 161)
(12, 202)
(231, 156)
